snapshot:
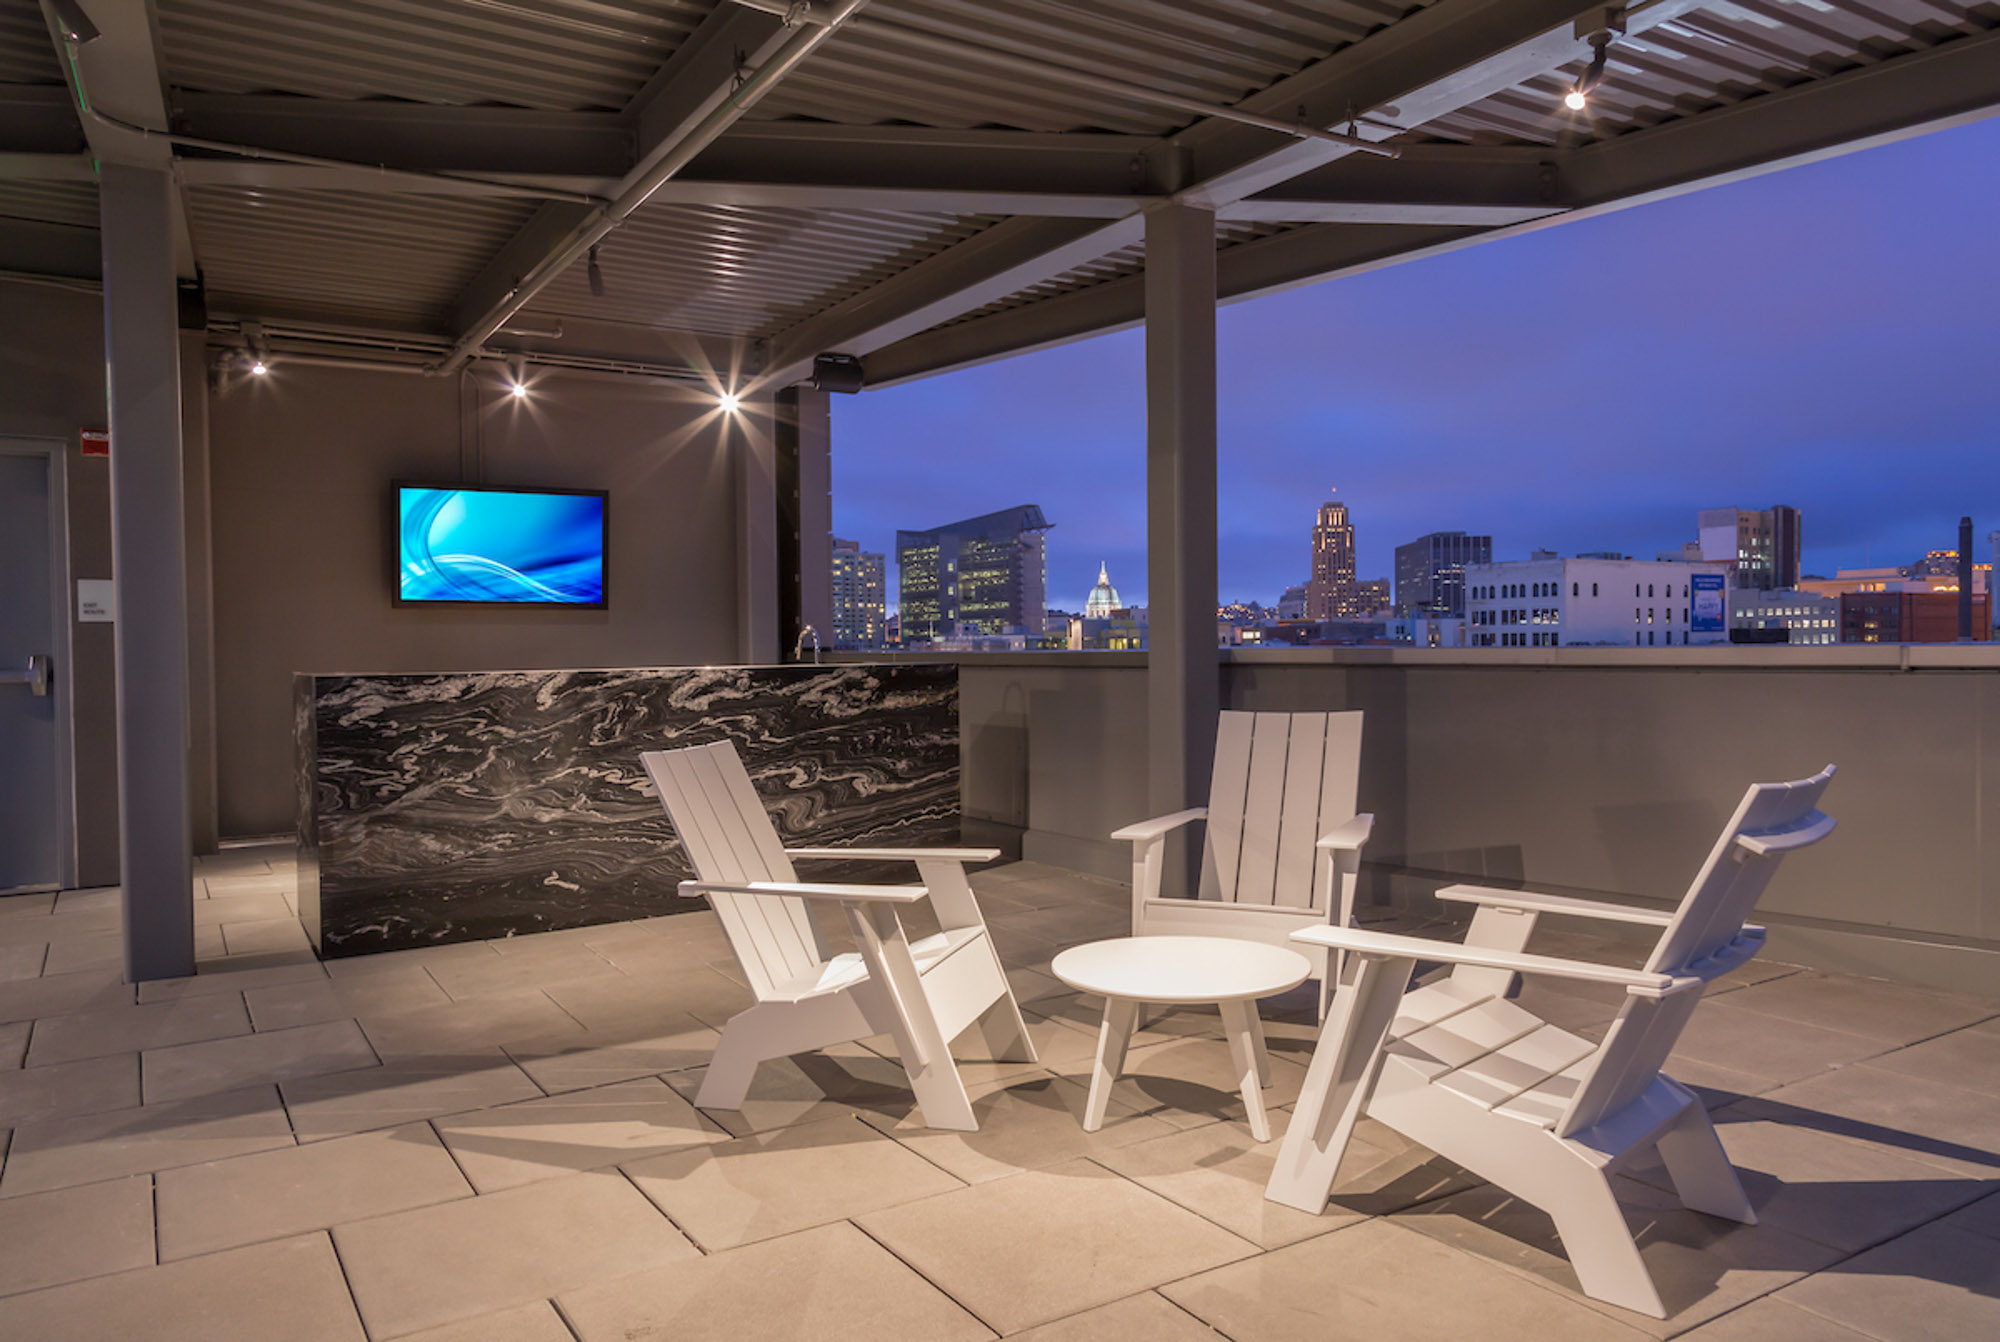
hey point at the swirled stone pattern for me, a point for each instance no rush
(458, 807)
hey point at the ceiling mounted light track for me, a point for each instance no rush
(1600, 28)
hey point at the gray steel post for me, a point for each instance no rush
(149, 560)
(1184, 673)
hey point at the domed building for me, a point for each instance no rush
(1103, 597)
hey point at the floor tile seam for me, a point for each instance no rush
(1793, 1020)
(1255, 1248)
(347, 1281)
(1853, 1327)
(920, 1274)
(664, 1214)
(562, 1317)
(889, 1133)
(1986, 1095)
(471, 1189)
(1175, 1304)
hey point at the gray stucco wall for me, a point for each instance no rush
(301, 465)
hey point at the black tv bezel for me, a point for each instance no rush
(396, 597)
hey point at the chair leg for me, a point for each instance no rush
(1338, 1082)
(733, 1066)
(1005, 1033)
(1600, 1245)
(1701, 1170)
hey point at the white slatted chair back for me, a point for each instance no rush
(729, 838)
(1280, 781)
(1701, 941)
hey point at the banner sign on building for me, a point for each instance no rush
(1706, 615)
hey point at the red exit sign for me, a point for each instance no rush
(96, 442)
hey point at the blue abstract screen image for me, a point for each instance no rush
(499, 546)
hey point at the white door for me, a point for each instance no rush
(31, 814)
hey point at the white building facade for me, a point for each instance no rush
(1625, 603)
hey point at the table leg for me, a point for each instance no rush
(1257, 1038)
(1112, 1037)
(1246, 1044)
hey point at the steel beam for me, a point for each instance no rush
(418, 137)
(1443, 57)
(1183, 678)
(38, 119)
(120, 71)
(988, 266)
(1943, 86)
(65, 251)
(149, 554)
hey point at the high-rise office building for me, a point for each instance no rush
(1760, 546)
(860, 594)
(984, 575)
(1430, 572)
(1330, 593)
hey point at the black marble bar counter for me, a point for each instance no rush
(455, 807)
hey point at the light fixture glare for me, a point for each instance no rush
(730, 402)
(518, 389)
(259, 367)
(1574, 100)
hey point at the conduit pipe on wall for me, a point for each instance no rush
(682, 151)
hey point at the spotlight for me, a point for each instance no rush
(72, 22)
(1600, 28)
(595, 274)
(259, 367)
(730, 402)
(518, 390)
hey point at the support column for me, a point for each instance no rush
(149, 563)
(749, 438)
(1184, 687)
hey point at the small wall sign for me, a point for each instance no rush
(96, 601)
(95, 443)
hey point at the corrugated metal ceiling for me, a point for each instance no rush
(1215, 50)
(401, 260)
(735, 271)
(1714, 57)
(555, 55)
(394, 261)
(1124, 262)
(72, 203)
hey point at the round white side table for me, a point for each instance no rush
(1130, 972)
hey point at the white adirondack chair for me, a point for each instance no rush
(1543, 1113)
(923, 994)
(1284, 843)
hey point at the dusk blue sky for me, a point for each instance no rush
(1827, 336)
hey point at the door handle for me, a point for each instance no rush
(36, 677)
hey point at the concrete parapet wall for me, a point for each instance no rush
(1603, 772)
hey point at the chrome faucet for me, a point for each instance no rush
(799, 645)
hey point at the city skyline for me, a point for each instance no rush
(1595, 406)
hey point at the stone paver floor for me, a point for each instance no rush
(497, 1142)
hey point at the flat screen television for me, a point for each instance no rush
(478, 545)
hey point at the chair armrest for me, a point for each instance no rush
(1811, 828)
(1350, 834)
(1164, 825)
(900, 854)
(873, 894)
(1390, 945)
(1529, 901)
